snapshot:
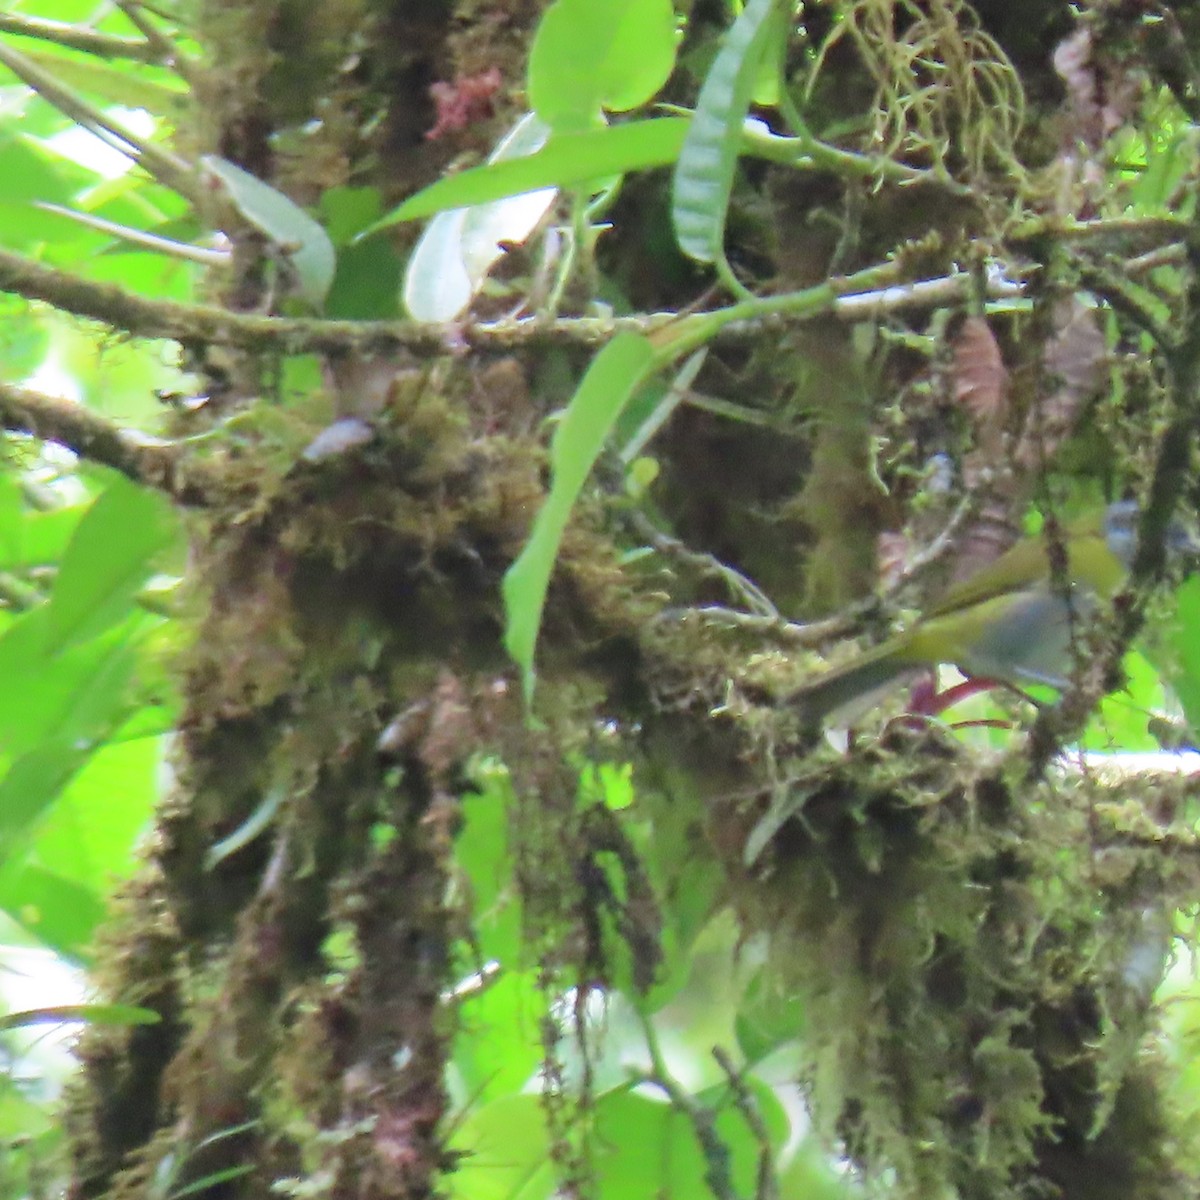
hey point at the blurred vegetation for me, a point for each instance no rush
(398, 786)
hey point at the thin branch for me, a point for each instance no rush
(1123, 229)
(205, 255)
(940, 546)
(1172, 255)
(766, 1187)
(740, 587)
(925, 294)
(1172, 463)
(195, 323)
(1112, 285)
(150, 461)
(166, 51)
(210, 325)
(717, 1173)
(167, 168)
(78, 37)
(816, 633)
(787, 633)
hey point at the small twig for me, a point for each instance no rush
(804, 151)
(924, 294)
(1123, 229)
(77, 37)
(740, 587)
(765, 1187)
(1113, 287)
(937, 549)
(166, 51)
(702, 1120)
(791, 633)
(198, 323)
(205, 255)
(1162, 256)
(817, 633)
(295, 335)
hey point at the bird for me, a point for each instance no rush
(1014, 621)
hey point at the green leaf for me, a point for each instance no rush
(498, 1048)
(90, 1014)
(587, 57)
(505, 1152)
(32, 783)
(117, 85)
(646, 1148)
(77, 695)
(458, 248)
(59, 912)
(614, 375)
(704, 174)
(367, 283)
(483, 853)
(767, 1017)
(347, 211)
(29, 172)
(1182, 650)
(24, 336)
(44, 537)
(108, 559)
(566, 160)
(89, 833)
(285, 223)
(211, 1180)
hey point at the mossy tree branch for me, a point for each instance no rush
(94, 437)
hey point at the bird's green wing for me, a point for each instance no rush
(1028, 563)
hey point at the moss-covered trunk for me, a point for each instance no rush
(295, 922)
(300, 922)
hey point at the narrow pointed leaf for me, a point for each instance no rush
(614, 375)
(91, 1014)
(109, 557)
(31, 785)
(566, 160)
(704, 174)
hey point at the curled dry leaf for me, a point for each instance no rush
(892, 550)
(980, 377)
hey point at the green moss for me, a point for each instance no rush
(965, 974)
